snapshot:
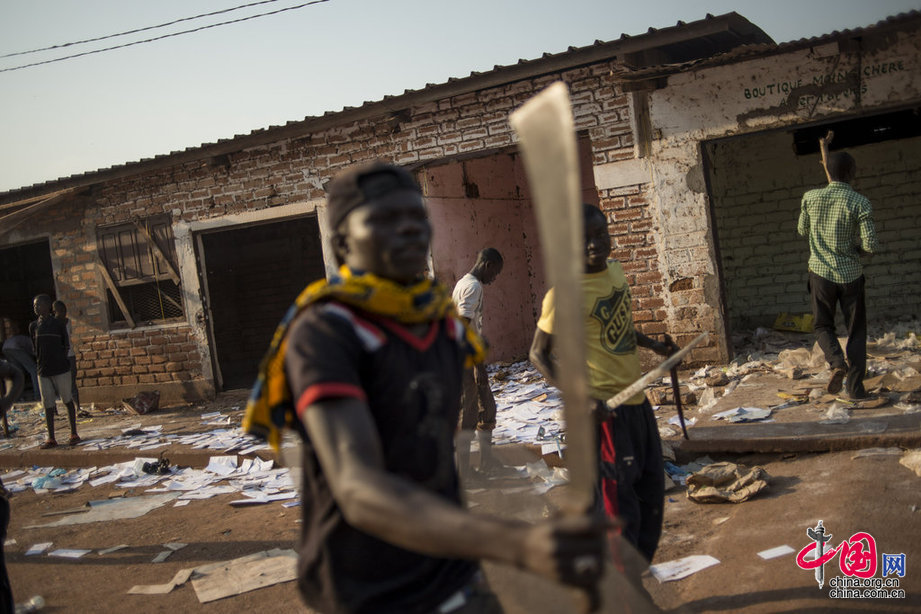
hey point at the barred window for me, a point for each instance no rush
(138, 266)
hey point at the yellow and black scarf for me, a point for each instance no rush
(271, 407)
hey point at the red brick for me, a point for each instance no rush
(650, 303)
(627, 214)
(649, 278)
(655, 328)
(642, 315)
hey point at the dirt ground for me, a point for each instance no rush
(848, 494)
(873, 494)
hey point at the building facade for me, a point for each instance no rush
(176, 269)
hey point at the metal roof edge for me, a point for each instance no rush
(748, 52)
(569, 59)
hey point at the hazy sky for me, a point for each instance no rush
(119, 106)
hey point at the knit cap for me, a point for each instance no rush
(361, 184)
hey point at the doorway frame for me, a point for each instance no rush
(190, 253)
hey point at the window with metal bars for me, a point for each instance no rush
(138, 267)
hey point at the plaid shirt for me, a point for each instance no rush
(837, 220)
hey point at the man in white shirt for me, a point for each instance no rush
(478, 404)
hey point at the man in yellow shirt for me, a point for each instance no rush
(632, 483)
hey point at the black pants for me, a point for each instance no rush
(826, 296)
(632, 473)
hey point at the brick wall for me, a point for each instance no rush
(295, 171)
(155, 356)
(630, 226)
(889, 174)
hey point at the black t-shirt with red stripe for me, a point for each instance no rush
(412, 386)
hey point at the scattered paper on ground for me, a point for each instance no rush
(682, 568)
(38, 548)
(222, 465)
(254, 477)
(836, 414)
(181, 577)
(676, 421)
(528, 409)
(227, 578)
(69, 553)
(213, 582)
(773, 553)
(743, 414)
(114, 509)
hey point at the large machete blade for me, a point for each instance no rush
(547, 140)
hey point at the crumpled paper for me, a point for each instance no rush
(726, 483)
(912, 460)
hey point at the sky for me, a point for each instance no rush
(108, 108)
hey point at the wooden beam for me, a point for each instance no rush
(115, 293)
(169, 299)
(28, 201)
(156, 248)
(11, 220)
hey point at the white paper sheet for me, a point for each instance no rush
(682, 568)
(773, 553)
(222, 465)
(69, 553)
(38, 548)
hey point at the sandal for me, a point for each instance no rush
(74, 440)
(50, 443)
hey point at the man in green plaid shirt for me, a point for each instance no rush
(839, 225)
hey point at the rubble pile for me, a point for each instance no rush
(530, 410)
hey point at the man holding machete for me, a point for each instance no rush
(632, 484)
(367, 368)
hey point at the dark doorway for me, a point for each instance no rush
(25, 270)
(756, 184)
(251, 277)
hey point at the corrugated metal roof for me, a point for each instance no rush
(747, 52)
